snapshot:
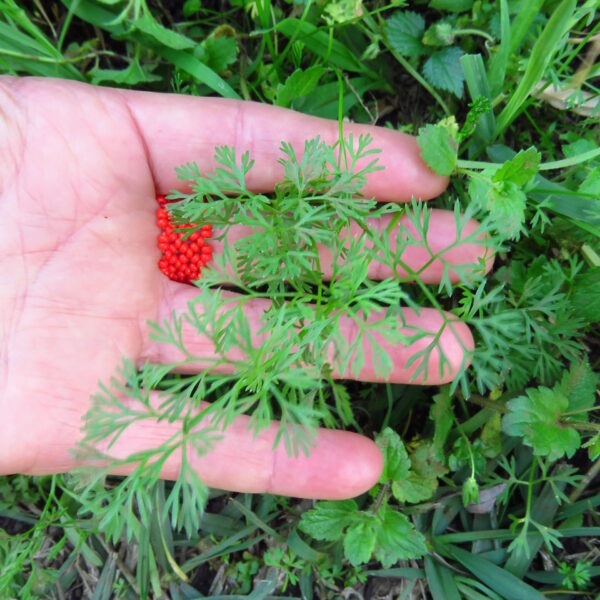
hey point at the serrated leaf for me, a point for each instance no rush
(578, 384)
(504, 200)
(593, 447)
(441, 414)
(342, 11)
(490, 437)
(396, 463)
(404, 30)
(328, 519)
(586, 295)
(300, 83)
(422, 480)
(520, 169)
(444, 71)
(397, 539)
(536, 418)
(359, 543)
(439, 145)
(591, 184)
(218, 52)
(439, 34)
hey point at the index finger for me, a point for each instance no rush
(177, 129)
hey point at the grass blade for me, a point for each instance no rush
(499, 580)
(477, 84)
(440, 581)
(527, 13)
(203, 74)
(318, 42)
(499, 61)
(543, 51)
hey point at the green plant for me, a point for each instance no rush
(489, 480)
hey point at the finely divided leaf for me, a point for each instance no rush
(443, 70)
(439, 145)
(404, 32)
(536, 418)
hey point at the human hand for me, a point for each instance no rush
(79, 171)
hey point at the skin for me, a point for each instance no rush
(80, 167)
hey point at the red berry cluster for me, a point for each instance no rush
(182, 260)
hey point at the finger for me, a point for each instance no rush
(449, 242)
(450, 341)
(340, 465)
(178, 129)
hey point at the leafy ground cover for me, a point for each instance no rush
(489, 488)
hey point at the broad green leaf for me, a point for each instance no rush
(520, 169)
(586, 295)
(579, 386)
(504, 200)
(591, 185)
(397, 539)
(328, 519)
(342, 11)
(441, 413)
(359, 543)
(490, 437)
(396, 462)
(218, 52)
(404, 31)
(166, 37)
(422, 480)
(536, 418)
(443, 70)
(439, 34)
(439, 145)
(191, 7)
(593, 447)
(132, 75)
(300, 83)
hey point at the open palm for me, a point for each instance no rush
(79, 171)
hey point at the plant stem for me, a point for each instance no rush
(479, 32)
(571, 161)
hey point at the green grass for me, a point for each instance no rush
(490, 488)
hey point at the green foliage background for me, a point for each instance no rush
(489, 487)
